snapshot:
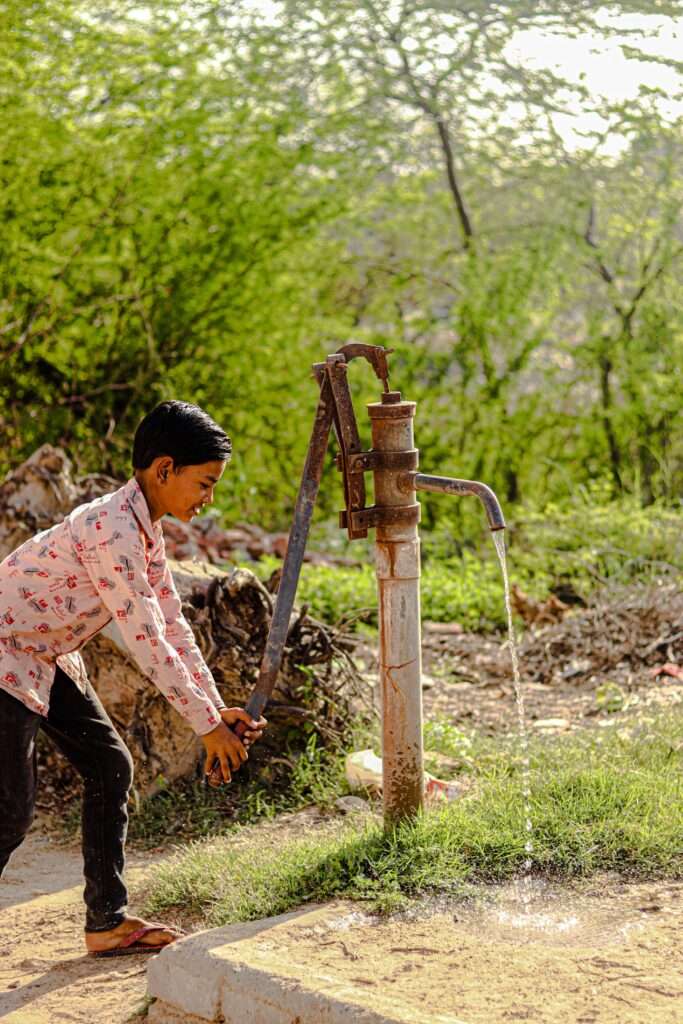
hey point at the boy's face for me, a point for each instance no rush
(187, 489)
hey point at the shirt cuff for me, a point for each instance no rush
(214, 720)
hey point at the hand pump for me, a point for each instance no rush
(393, 461)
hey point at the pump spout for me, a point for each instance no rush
(448, 485)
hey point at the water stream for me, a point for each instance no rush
(525, 885)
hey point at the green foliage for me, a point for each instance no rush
(466, 590)
(591, 541)
(608, 800)
(583, 544)
(317, 777)
(142, 223)
(188, 810)
(609, 697)
(199, 202)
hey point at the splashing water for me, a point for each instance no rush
(525, 887)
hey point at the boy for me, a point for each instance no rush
(106, 561)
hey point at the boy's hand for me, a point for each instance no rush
(254, 729)
(224, 753)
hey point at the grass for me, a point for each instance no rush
(189, 810)
(609, 799)
(467, 590)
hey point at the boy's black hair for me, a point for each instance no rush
(183, 431)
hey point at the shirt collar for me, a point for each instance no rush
(140, 509)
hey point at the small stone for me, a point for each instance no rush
(352, 805)
(427, 682)
(31, 964)
(447, 628)
(551, 723)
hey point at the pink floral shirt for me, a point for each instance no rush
(105, 561)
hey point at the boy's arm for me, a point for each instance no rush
(178, 631)
(119, 573)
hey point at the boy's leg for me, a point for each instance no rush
(81, 728)
(18, 728)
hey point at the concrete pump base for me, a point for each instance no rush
(232, 975)
(601, 951)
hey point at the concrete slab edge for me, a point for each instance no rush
(194, 981)
(163, 1013)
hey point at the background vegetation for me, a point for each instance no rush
(198, 201)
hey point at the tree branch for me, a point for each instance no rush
(465, 221)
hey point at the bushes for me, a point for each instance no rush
(585, 545)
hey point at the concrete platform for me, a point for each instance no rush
(598, 952)
(230, 975)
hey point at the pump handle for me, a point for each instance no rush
(376, 355)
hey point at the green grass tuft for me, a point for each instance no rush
(609, 800)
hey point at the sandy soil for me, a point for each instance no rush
(45, 976)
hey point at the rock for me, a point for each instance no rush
(38, 494)
(552, 723)
(352, 805)
(446, 628)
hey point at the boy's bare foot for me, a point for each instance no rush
(159, 935)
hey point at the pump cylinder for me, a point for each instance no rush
(398, 582)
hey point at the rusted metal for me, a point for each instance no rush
(409, 482)
(393, 460)
(334, 406)
(375, 515)
(367, 461)
(346, 429)
(397, 554)
(296, 546)
(390, 410)
(376, 355)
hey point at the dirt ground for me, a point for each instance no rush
(45, 976)
(578, 671)
(608, 953)
(486, 704)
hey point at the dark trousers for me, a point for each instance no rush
(80, 727)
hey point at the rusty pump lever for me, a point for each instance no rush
(334, 406)
(376, 355)
(393, 460)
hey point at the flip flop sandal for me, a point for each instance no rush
(131, 944)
